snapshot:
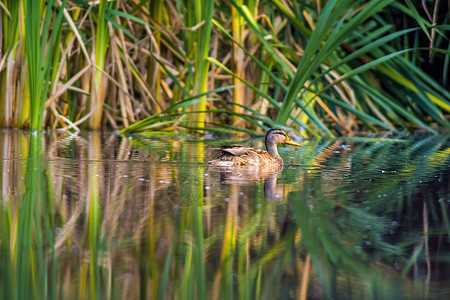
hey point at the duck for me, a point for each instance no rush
(247, 156)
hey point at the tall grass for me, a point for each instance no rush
(14, 101)
(203, 12)
(99, 82)
(39, 47)
(317, 69)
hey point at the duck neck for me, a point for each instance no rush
(272, 149)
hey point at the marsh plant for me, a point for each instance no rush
(317, 68)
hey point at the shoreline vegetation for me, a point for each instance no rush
(313, 68)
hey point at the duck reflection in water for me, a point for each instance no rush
(238, 175)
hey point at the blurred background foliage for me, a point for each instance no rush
(317, 68)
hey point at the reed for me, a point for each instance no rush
(318, 69)
(39, 48)
(156, 9)
(203, 12)
(99, 82)
(237, 25)
(14, 103)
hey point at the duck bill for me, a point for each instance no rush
(291, 142)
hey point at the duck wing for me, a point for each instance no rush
(248, 155)
(237, 150)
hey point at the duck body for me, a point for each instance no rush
(247, 156)
(244, 156)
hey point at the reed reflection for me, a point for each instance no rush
(146, 218)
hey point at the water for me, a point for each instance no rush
(103, 216)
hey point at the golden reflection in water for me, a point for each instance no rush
(325, 154)
(13, 143)
(7, 165)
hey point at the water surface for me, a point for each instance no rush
(103, 216)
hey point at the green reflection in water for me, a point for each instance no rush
(32, 264)
(99, 216)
